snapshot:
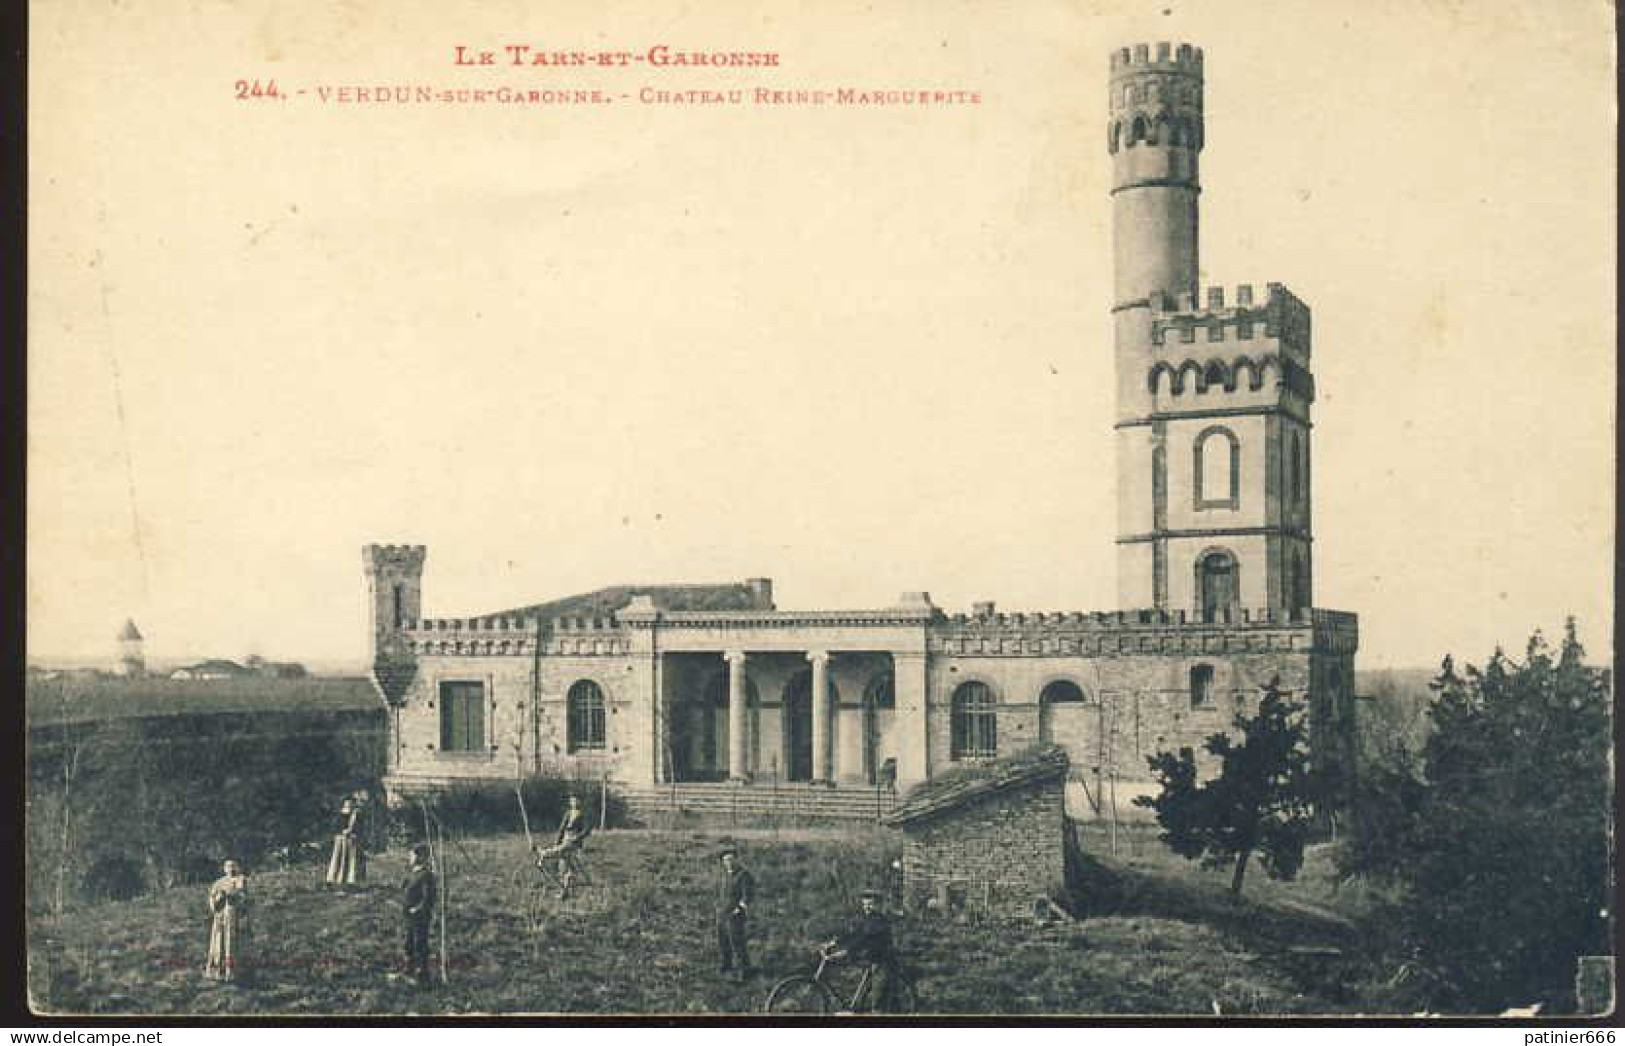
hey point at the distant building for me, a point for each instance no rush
(132, 662)
(214, 668)
(258, 666)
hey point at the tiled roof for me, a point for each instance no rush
(966, 785)
(605, 601)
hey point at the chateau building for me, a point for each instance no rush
(673, 686)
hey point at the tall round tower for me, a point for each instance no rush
(1155, 136)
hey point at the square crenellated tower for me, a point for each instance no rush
(394, 590)
(1213, 397)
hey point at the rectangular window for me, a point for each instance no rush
(1202, 686)
(462, 717)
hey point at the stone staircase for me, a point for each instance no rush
(734, 804)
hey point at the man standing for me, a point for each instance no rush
(419, 900)
(738, 890)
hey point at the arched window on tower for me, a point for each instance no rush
(1137, 130)
(1217, 468)
(1218, 583)
(975, 722)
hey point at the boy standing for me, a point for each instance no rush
(418, 900)
(738, 890)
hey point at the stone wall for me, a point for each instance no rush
(996, 853)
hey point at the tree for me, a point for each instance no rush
(1505, 869)
(1259, 802)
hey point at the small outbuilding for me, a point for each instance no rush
(989, 837)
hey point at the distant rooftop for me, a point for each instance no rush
(129, 631)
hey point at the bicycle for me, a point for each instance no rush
(814, 993)
(552, 872)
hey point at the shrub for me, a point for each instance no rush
(491, 807)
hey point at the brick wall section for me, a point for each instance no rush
(1006, 848)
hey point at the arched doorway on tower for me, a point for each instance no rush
(1218, 583)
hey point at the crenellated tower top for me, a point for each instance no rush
(1154, 133)
(1182, 58)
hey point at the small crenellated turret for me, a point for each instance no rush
(394, 588)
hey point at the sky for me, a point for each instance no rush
(860, 351)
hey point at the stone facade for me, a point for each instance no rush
(650, 685)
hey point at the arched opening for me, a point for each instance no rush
(879, 708)
(1137, 131)
(1216, 468)
(796, 729)
(700, 730)
(1218, 583)
(586, 726)
(1113, 134)
(1061, 716)
(975, 722)
(1294, 472)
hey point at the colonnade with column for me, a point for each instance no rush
(908, 724)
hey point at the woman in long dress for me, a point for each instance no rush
(348, 865)
(228, 932)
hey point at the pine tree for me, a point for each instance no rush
(1260, 802)
(1506, 864)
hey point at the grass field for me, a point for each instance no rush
(1157, 936)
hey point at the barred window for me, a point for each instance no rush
(586, 715)
(462, 717)
(975, 722)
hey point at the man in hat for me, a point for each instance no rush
(419, 899)
(733, 905)
(867, 940)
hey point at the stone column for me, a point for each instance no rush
(823, 720)
(910, 726)
(737, 733)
